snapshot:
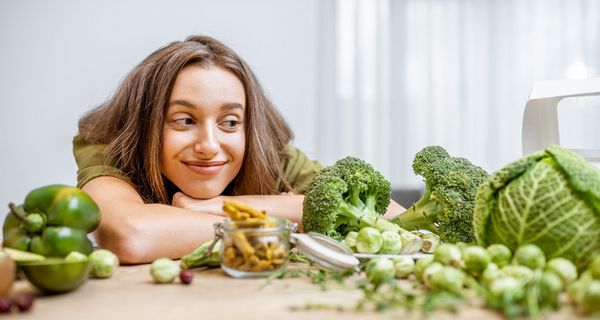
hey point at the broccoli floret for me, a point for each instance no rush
(347, 196)
(446, 207)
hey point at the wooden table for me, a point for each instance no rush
(131, 294)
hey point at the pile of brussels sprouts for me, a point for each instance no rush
(371, 240)
(520, 284)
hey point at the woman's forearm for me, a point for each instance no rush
(288, 206)
(139, 232)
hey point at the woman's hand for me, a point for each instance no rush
(212, 206)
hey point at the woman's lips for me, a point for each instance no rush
(205, 168)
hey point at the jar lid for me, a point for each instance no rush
(325, 251)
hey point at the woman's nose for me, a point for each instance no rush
(207, 143)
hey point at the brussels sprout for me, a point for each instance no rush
(403, 267)
(391, 242)
(501, 286)
(500, 254)
(431, 269)
(411, 243)
(564, 268)
(594, 268)
(531, 256)
(164, 270)
(447, 279)
(490, 273)
(448, 254)
(76, 256)
(350, 240)
(421, 265)
(591, 297)
(369, 240)
(550, 287)
(103, 263)
(430, 242)
(476, 259)
(518, 272)
(576, 290)
(380, 270)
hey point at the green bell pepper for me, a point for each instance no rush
(53, 221)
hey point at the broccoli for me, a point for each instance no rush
(446, 208)
(348, 196)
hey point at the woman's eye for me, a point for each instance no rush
(184, 121)
(230, 123)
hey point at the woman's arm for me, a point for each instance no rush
(288, 206)
(139, 232)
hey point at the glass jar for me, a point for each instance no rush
(250, 250)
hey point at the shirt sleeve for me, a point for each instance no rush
(90, 163)
(298, 169)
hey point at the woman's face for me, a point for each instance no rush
(203, 134)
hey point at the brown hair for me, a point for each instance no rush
(130, 123)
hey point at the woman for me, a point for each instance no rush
(189, 127)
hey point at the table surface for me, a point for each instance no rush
(131, 294)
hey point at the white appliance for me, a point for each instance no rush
(540, 119)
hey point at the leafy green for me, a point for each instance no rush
(550, 198)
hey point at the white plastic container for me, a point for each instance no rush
(541, 116)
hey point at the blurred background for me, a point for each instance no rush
(377, 79)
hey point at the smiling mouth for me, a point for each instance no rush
(205, 167)
(205, 163)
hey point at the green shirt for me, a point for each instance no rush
(298, 169)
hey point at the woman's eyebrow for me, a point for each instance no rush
(225, 107)
(231, 105)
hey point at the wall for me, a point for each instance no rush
(60, 58)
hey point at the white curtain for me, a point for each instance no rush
(400, 75)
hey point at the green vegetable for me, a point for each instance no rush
(201, 257)
(53, 221)
(502, 286)
(564, 268)
(422, 264)
(391, 243)
(549, 198)
(500, 254)
(76, 256)
(164, 270)
(531, 256)
(518, 272)
(348, 196)
(446, 208)
(490, 273)
(429, 271)
(595, 268)
(403, 267)
(430, 242)
(448, 254)
(103, 263)
(448, 279)
(476, 259)
(368, 240)
(380, 270)
(350, 240)
(591, 298)
(550, 288)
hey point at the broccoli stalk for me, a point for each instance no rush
(446, 208)
(348, 196)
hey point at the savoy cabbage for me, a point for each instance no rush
(550, 198)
